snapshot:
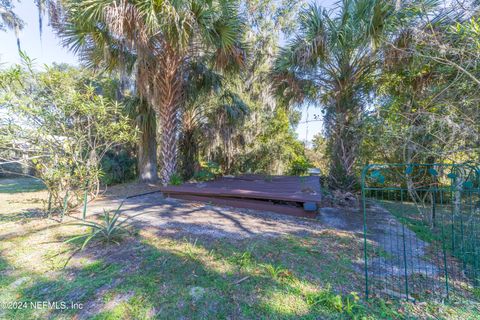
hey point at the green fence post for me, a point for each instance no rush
(49, 208)
(65, 203)
(364, 206)
(434, 204)
(445, 268)
(405, 261)
(85, 198)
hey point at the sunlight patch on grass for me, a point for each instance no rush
(284, 303)
(17, 185)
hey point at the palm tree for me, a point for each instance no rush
(9, 20)
(157, 41)
(332, 60)
(212, 112)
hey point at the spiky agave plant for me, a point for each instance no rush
(109, 230)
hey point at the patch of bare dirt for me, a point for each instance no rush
(179, 218)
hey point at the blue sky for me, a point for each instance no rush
(50, 50)
(45, 52)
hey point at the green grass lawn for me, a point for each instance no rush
(24, 184)
(151, 276)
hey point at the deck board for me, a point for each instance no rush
(282, 194)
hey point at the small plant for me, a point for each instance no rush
(175, 180)
(243, 260)
(351, 303)
(191, 251)
(109, 230)
(329, 300)
(277, 272)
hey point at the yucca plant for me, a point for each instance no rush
(109, 230)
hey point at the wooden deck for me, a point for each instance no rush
(298, 196)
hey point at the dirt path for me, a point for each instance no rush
(398, 250)
(393, 257)
(183, 218)
(389, 254)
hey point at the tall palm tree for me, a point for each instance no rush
(157, 41)
(332, 60)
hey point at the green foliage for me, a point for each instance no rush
(277, 272)
(299, 166)
(164, 42)
(208, 171)
(422, 90)
(204, 175)
(232, 118)
(109, 230)
(66, 121)
(243, 260)
(275, 150)
(175, 180)
(329, 300)
(333, 62)
(118, 167)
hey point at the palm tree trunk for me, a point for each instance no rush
(344, 144)
(170, 98)
(147, 155)
(189, 153)
(168, 143)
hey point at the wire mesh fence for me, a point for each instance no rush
(421, 230)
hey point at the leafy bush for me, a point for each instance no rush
(208, 171)
(69, 121)
(118, 167)
(299, 166)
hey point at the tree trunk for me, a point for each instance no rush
(147, 144)
(170, 98)
(189, 153)
(344, 142)
(147, 155)
(168, 144)
(160, 81)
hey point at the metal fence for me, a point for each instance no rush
(421, 230)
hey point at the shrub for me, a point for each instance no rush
(299, 166)
(208, 171)
(175, 180)
(118, 167)
(69, 122)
